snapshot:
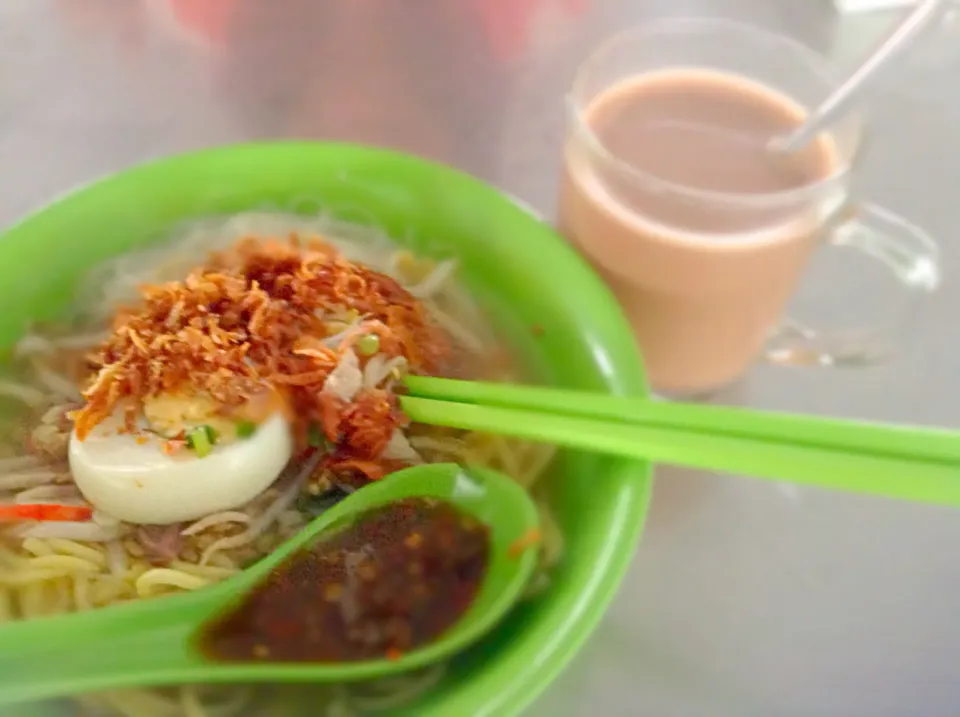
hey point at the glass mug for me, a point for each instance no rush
(707, 302)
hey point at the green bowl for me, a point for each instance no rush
(517, 267)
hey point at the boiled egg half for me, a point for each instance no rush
(132, 478)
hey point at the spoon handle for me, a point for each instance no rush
(902, 37)
(127, 645)
(806, 453)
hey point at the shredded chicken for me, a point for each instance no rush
(51, 438)
(361, 431)
(400, 449)
(346, 379)
(161, 543)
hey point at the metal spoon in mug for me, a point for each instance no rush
(902, 37)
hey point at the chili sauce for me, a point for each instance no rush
(392, 581)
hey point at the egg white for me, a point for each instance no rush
(137, 483)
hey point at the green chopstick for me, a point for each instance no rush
(877, 438)
(903, 462)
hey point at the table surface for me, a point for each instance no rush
(746, 598)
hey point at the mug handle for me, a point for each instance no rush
(909, 255)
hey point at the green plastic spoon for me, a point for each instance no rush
(152, 642)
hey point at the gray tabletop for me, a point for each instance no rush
(746, 598)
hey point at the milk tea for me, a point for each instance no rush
(700, 230)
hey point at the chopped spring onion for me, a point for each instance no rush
(45, 512)
(202, 439)
(245, 429)
(368, 345)
(315, 436)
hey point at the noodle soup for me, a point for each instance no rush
(208, 397)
